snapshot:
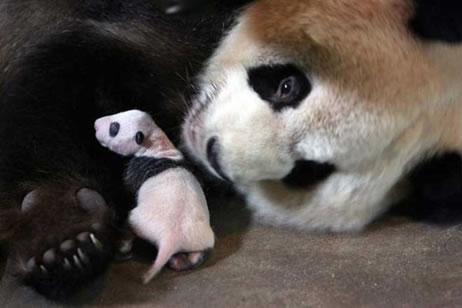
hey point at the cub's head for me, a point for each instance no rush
(343, 89)
(125, 132)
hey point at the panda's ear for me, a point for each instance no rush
(438, 20)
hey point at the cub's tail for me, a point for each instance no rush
(165, 252)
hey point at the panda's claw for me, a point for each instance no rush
(77, 262)
(56, 263)
(67, 265)
(78, 258)
(96, 242)
(44, 269)
(83, 257)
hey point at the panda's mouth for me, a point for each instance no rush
(207, 150)
(307, 173)
(213, 158)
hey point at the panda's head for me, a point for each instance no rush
(331, 82)
(344, 86)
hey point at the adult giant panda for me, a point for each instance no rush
(352, 94)
(342, 93)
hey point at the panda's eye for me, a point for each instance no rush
(286, 87)
(282, 86)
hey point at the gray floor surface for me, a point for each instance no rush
(394, 263)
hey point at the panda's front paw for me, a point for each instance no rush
(62, 268)
(69, 248)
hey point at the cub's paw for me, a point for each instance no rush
(69, 242)
(187, 261)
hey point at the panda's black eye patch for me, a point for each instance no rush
(280, 85)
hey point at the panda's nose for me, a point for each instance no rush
(213, 157)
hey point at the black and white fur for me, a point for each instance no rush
(63, 64)
(318, 111)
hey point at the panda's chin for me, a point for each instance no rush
(304, 174)
(307, 173)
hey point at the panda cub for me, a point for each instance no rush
(171, 209)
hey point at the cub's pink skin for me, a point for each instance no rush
(171, 209)
(134, 132)
(172, 213)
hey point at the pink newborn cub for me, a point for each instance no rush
(171, 209)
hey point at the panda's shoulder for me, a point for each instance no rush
(438, 20)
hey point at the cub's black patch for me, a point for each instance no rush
(140, 169)
(439, 20)
(307, 173)
(281, 85)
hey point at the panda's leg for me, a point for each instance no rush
(65, 235)
(64, 191)
(48, 107)
(66, 230)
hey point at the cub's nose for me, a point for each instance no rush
(213, 157)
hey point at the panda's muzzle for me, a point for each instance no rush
(212, 157)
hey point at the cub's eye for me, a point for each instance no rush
(282, 86)
(139, 138)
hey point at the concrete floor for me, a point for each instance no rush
(395, 263)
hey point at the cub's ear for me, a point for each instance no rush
(439, 20)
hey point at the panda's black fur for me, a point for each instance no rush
(62, 65)
(438, 20)
(65, 63)
(436, 184)
(436, 191)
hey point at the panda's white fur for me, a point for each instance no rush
(381, 101)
